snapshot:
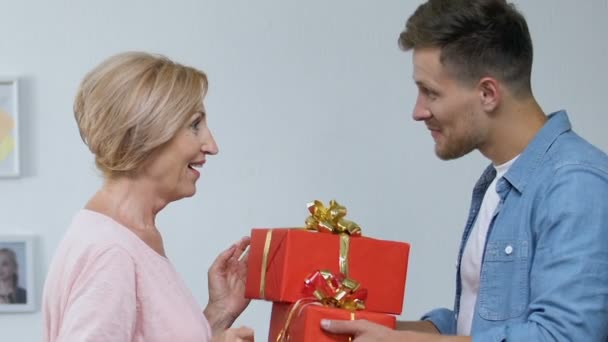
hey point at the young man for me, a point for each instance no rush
(533, 261)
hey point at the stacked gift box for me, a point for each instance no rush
(326, 270)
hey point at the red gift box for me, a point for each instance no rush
(280, 260)
(304, 325)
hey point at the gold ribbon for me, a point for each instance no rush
(352, 318)
(283, 336)
(324, 220)
(331, 220)
(330, 290)
(265, 263)
(344, 249)
(335, 290)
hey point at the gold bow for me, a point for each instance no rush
(335, 290)
(325, 220)
(328, 289)
(330, 220)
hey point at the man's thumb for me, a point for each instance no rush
(343, 327)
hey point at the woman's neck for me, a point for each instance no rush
(134, 204)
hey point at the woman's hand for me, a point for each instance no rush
(227, 277)
(234, 335)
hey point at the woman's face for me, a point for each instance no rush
(173, 170)
(7, 267)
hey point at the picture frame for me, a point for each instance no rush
(9, 128)
(17, 276)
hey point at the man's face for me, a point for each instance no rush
(450, 109)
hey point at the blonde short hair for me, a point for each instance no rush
(132, 104)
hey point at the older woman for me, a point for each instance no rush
(143, 118)
(10, 291)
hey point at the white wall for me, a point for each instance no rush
(308, 99)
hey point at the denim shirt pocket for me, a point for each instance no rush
(503, 284)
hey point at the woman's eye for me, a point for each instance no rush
(195, 125)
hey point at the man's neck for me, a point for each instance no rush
(515, 126)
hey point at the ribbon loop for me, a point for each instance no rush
(331, 219)
(335, 290)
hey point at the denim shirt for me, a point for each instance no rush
(544, 272)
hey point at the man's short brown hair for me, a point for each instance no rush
(477, 38)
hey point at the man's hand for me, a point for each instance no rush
(361, 330)
(365, 331)
(419, 326)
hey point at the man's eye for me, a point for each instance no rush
(431, 94)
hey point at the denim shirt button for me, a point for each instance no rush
(509, 250)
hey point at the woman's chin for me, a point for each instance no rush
(182, 193)
(190, 192)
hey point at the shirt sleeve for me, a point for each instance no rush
(569, 274)
(102, 300)
(443, 319)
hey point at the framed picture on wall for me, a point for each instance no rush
(9, 128)
(17, 273)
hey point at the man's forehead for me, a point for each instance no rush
(427, 56)
(427, 67)
(422, 74)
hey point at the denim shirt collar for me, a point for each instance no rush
(531, 157)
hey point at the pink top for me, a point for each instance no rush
(105, 284)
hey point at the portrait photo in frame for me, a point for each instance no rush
(9, 128)
(17, 273)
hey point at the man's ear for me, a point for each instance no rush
(490, 93)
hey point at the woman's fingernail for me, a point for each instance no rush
(325, 323)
